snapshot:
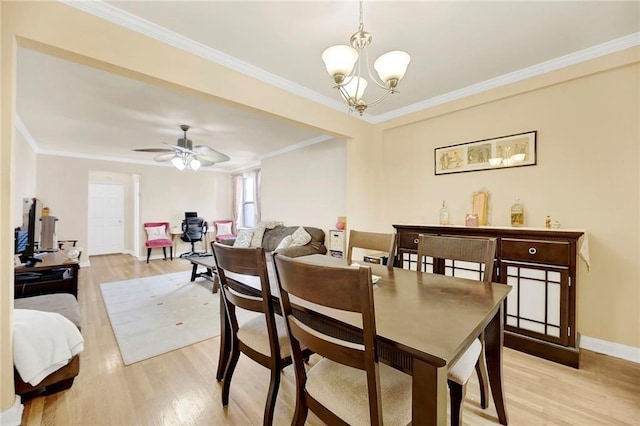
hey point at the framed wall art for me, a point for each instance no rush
(497, 153)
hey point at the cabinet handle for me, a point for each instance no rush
(532, 250)
(415, 241)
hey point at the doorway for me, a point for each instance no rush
(106, 218)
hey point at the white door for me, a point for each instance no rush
(106, 218)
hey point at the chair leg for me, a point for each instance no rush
(148, 254)
(228, 373)
(456, 394)
(483, 377)
(171, 252)
(481, 371)
(272, 395)
(164, 251)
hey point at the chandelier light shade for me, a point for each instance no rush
(345, 65)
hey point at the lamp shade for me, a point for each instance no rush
(355, 87)
(339, 59)
(178, 163)
(392, 65)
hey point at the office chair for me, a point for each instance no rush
(193, 230)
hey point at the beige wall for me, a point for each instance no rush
(165, 194)
(587, 176)
(306, 186)
(24, 177)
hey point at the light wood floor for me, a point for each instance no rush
(179, 388)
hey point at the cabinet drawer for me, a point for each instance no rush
(551, 252)
(408, 240)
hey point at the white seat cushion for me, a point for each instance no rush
(343, 390)
(253, 333)
(463, 368)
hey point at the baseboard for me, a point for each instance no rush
(617, 350)
(12, 416)
(153, 257)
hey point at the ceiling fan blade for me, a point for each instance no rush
(165, 157)
(179, 148)
(214, 156)
(205, 163)
(153, 150)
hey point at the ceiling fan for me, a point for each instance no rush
(185, 154)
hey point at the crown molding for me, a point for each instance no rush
(116, 159)
(574, 58)
(22, 129)
(120, 17)
(128, 20)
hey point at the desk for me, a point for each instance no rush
(55, 274)
(425, 322)
(176, 233)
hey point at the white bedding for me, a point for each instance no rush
(43, 342)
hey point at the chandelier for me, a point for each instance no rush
(345, 65)
(184, 160)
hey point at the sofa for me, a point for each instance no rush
(273, 236)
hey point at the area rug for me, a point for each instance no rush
(154, 315)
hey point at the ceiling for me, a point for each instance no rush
(456, 48)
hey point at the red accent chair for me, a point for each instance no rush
(224, 230)
(158, 238)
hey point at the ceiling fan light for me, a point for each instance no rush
(195, 164)
(178, 163)
(392, 66)
(339, 61)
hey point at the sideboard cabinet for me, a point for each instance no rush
(540, 265)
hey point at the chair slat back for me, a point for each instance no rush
(345, 288)
(480, 250)
(372, 241)
(244, 261)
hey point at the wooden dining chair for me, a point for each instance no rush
(264, 338)
(348, 386)
(457, 254)
(372, 241)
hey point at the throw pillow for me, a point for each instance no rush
(300, 237)
(258, 233)
(286, 242)
(156, 233)
(244, 238)
(224, 229)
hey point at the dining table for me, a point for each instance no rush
(424, 324)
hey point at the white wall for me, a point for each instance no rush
(165, 193)
(24, 178)
(307, 186)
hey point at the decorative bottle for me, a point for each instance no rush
(517, 214)
(444, 214)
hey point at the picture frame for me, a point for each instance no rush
(509, 151)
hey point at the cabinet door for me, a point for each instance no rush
(537, 306)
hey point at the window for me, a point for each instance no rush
(248, 202)
(246, 199)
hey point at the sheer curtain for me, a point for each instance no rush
(236, 182)
(255, 174)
